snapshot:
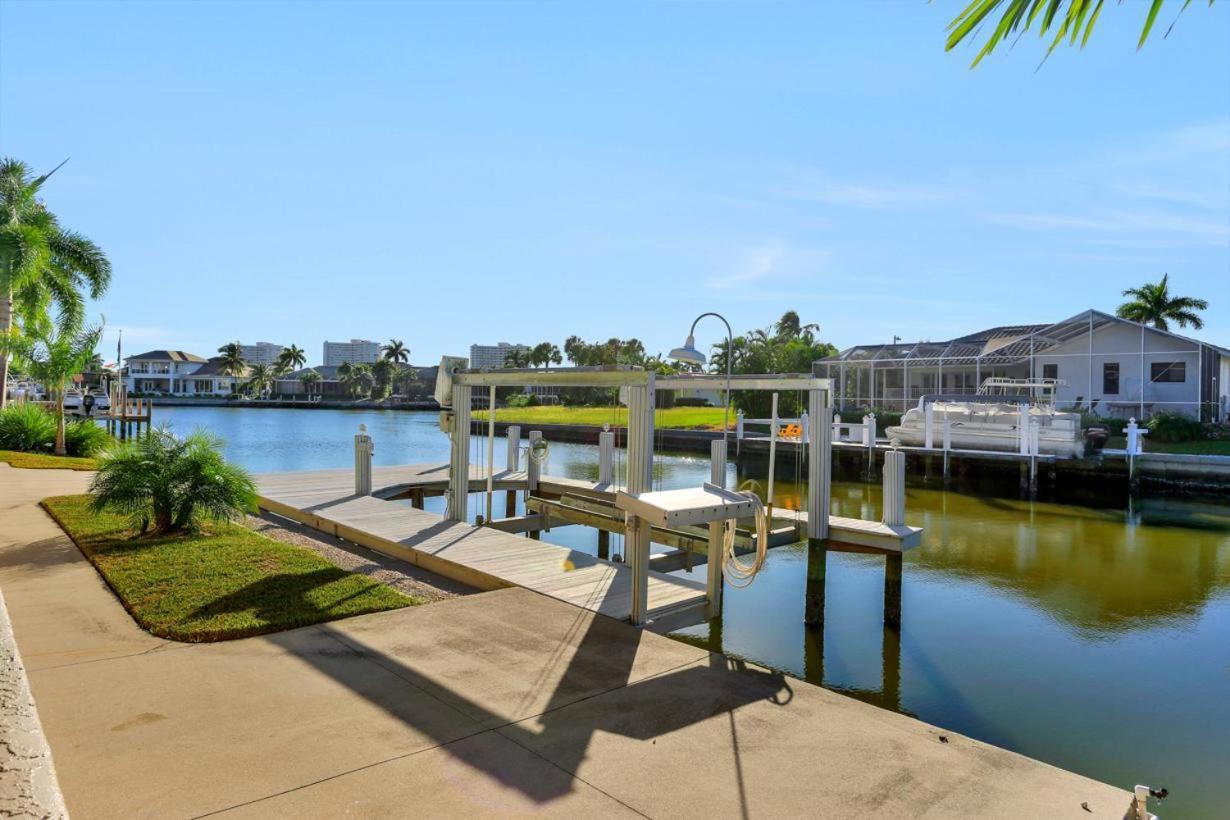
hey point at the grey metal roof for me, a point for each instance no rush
(166, 355)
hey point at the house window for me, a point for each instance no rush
(1168, 372)
(1110, 378)
(1050, 371)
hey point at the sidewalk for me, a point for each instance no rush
(500, 703)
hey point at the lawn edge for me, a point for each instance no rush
(171, 635)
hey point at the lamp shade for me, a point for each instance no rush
(688, 353)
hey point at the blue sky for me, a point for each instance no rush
(452, 173)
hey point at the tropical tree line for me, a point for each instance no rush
(377, 380)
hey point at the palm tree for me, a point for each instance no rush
(233, 364)
(53, 354)
(363, 380)
(545, 353)
(396, 351)
(295, 357)
(260, 376)
(41, 264)
(1020, 15)
(308, 379)
(1152, 304)
(517, 358)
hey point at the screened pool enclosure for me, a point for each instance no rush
(1100, 363)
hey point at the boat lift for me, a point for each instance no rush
(638, 388)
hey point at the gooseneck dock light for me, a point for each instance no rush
(689, 353)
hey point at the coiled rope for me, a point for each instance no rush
(738, 574)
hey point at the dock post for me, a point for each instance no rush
(459, 456)
(640, 479)
(928, 416)
(532, 465)
(947, 443)
(713, 581)
(604, 545)
(606, 446)
(363, 449)
(819, 488)
(512, 463)
(894, 515)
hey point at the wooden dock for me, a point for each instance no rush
(483, 557)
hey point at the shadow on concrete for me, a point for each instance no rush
(42, 554)
(593, 693)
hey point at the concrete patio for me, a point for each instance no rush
(500, 703)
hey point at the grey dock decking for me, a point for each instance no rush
(480, 556)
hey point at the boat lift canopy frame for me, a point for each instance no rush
(641, 387)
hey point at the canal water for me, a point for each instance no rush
(1096, 638)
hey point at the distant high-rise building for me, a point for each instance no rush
(261, 353)
(356, 351)
(492, 355)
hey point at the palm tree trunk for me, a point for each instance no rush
(60, 449)
(6, 324)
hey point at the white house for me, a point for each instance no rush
(1101, 363)
(177, 373)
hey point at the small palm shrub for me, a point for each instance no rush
(172, 483)
(26, 427)
(1169, 426)
(85, 438)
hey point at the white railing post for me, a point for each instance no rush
(772, 457)
(363, 449)
(713, 585)
(739, 425)
(871, 431)
(947, 436)
(929, 417)
(513, 461)
(805, 424)
(533, 467)
(819, 463)
(606, 446)
(459, 458)
(894, 488)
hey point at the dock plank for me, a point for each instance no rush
(482, 556)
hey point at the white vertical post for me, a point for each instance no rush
(459, 459)
(513, 461)
(640, 479)
(805, 426)
(928, 420)
(819, 464)
(713, 581)
(894, 488)
(772, 454)
(490, 450)
(533, 467)
(1022, 428)
(363, 449)
(947, 434)
(739, 425)
(871, 431)
(606, 446)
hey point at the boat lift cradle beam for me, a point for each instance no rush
(640, 396)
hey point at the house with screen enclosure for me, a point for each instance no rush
(1094, 361)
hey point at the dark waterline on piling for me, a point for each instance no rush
(1095, 637)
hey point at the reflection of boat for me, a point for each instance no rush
(992, 419)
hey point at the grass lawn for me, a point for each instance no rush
(226, 582)
(1220, 447)
(670, 417)
(44, 461)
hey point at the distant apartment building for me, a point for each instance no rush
(493, 355)
(261, 353)
(356, 351)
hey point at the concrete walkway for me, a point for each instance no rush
(501, 703)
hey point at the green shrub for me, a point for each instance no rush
(522, 400)
(85, 439)
(1114, 427)
(1169, 427)
(691, 401)
(26, 427)
(171, 482)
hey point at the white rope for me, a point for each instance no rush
(739, 574)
